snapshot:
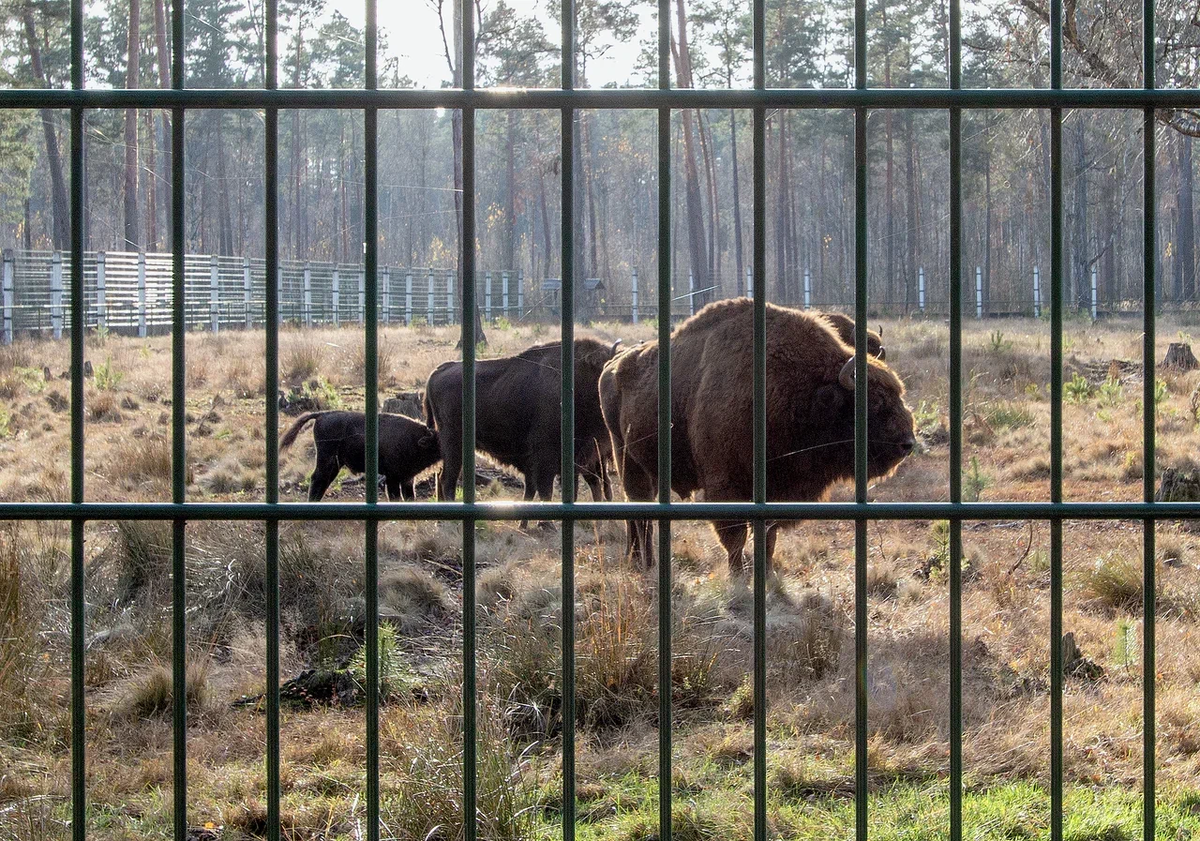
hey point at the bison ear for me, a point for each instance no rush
(427, 442)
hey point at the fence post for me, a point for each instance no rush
(56, 290)
(429, 300)
(101, 292)
(520, 293)
(408, 299)
(1093, 293)
(141, 287)
(1037, 294)
(337, 294)
(362, 297)
(978, 292)
(487, 296)
(633, 294)
(450, 297)
(278, 295)
(807, 290)
(246, 294)
(504, 292)
(749, 282)
(387, 294)
(921, 288)
(7, 334)
(307, 294)
(214, 294)
(691, 293)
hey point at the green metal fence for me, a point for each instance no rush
(370, 99)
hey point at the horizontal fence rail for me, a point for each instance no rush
(181, 297)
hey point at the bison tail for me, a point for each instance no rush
(429, 410)
(289, 437)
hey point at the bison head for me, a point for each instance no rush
(830, 424)
(890, 427)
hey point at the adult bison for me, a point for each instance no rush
(810, 414)
(843, 325)
(406, 447)
(518, 416)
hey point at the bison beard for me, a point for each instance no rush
(406, 447)
(810, 415)
(518, 416)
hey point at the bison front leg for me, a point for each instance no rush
(447, 480)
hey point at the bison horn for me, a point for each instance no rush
(615, 344)
(846, 375)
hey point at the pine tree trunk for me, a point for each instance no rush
(162, 186)
(739, 281)
(133, 48)
(1187, 244)
(910, 216)
(60, 231)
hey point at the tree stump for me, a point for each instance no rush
(1180, 357)
(409, 403)
(1178, 486)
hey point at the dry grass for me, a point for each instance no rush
(810, 610)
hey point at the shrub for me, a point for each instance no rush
(143, 554)
(107, 378)
(1008, 415)
(152, 694)
(396, 679)
(975, 481)
(302, 360)
(1078, 389)
(1114, 583)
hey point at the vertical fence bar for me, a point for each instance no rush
(956, 412)
(141, 294)
(368, 299)
(567, 570)
(757, 286)
(101, 291)
(429, 299)
(7, 293)
(1094, 302)
(214, 294)
(860, 425)
(1149, 317)
(1056, 420)
(271, 323)
(469, 338)
(408, 299)
(450, 297)
(78, 614)
(504, 277)
(521, 293)
(487, 296)
(665, 730)
(178, 429)
(921, 289)
(56, 295)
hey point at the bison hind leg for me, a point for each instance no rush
(732, 535)
(322, 477)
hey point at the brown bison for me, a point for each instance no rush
(810, 414)
(843, 325)
(406, 447)
(518, 416)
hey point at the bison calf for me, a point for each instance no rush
(406, 447)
